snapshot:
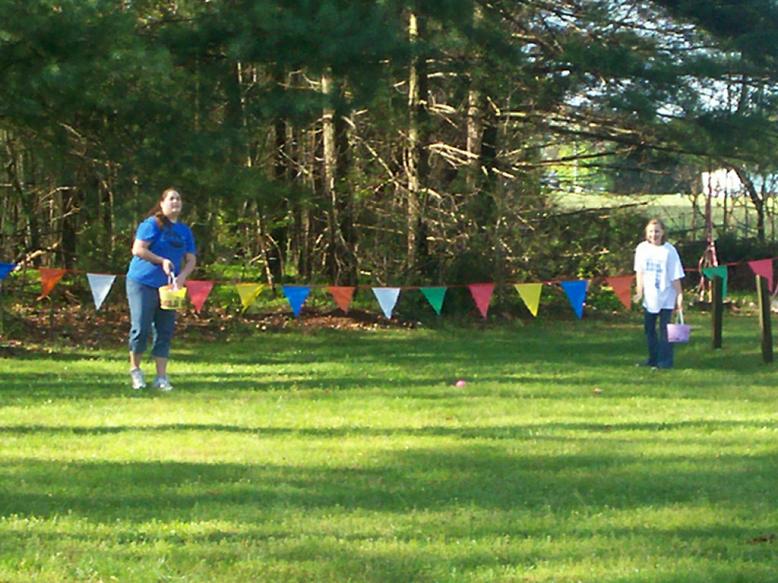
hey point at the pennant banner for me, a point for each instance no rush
(199, 290)
(576, 294)
(482, 294)
(100, 284)
(248, 292)
(435, 296)
(387, 298)
(530, 294)
(763, 268)
(296, 296)
(49, 279)
(622, 287)
(719, 271)
(5, 269)
(342, 296)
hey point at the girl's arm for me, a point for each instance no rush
(638, 286)
(678, 294)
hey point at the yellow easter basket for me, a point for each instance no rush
(172, 297)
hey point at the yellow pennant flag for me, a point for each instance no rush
(248, 292)
(530, 293)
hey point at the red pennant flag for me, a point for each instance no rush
(763, 267)
(482, 294)
(198, 292)
(342, 296)
(49, 279)
(622, 287)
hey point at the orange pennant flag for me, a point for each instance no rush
(622, 287)
(198, 292)
(342, 296)
(49, 279)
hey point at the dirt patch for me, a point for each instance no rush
(82, 326)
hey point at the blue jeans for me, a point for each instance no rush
(660, 351)
(146, 317)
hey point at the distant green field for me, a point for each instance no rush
(679, 213)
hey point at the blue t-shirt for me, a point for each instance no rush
(171, 242)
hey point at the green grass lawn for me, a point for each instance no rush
(349, 456)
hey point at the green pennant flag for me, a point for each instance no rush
(435, 296)
(719, 271)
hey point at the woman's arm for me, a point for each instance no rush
(140, 249)
(190, 262)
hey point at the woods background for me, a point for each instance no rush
(346, 142)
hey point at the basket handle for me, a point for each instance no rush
(680, 316)
(171, 281)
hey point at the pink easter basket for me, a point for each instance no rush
(678, 333)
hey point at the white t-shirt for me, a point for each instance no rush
(661, 266)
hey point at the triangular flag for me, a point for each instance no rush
(387, 298)
(622, 287)
(718, 271)
(248, 292)
(482, 294)
(342, 296)
(5, 269)
(199, 290)
(435, 296)
(763, 267)
(49, 278)
(296, 296)
(100, 284)
(530, 293)
(576, 294)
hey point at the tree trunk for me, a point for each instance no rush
(416, 164)
(756, 199)
(341, 262)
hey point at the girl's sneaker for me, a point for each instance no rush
(163, 384)
(138, 382)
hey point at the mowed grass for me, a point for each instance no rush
(349, 456)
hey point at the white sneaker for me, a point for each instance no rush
(138, 382)
(163, 384)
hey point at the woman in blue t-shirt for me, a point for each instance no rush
(163, 248)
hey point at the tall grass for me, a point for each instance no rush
(350, 456)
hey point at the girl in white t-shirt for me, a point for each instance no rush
(658, 272)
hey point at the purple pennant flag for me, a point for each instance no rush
(5, 269)
(296, 296)
(576, 294)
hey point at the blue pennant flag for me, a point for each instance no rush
(387, 298)
(5, 269)
(296, 296)
(576, 294)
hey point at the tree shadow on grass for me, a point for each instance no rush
(471, 492)
(467, 475)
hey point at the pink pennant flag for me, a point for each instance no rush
(342, 296)
(763, 267)
(49, 279)
(199, 290)
(622, 287)
(482, 294)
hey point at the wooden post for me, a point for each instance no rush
(717, 308)
(765, 326)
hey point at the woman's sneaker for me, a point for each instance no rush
(138, 382)
(163, 384)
